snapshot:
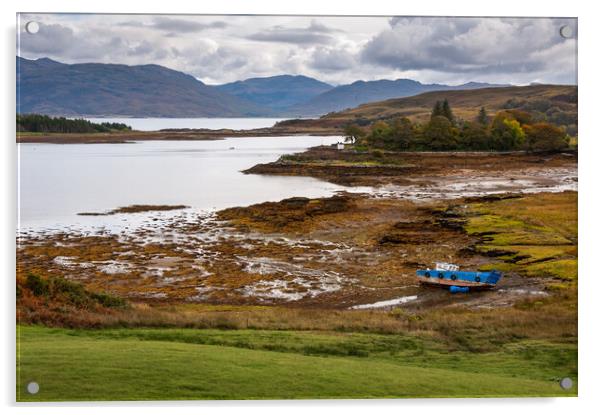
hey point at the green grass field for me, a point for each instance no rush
(172, 364)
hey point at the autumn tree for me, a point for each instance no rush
(475, 136)
(403, 135)
(545, 137)
(379, 134)
(523, 117)
(440, 134)
(506, 132)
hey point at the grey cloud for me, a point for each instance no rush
(175, 25)
(450, 50)
(318, 27)
(94, 44)
(438, 24)
(184, 26)
(160, 54)
(315, 33)
(204, 62)
(144, 48)
(289, 36)
(477, 45)
(332, 59)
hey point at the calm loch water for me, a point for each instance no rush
(58, 181)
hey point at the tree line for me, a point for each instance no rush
(507, 130)
(37, 123)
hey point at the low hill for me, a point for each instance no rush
(276, 92)
(554, 103)
(48, 87)
(361, 92)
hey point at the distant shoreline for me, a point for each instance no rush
(169, 135)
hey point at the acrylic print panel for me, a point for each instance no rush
(295, 207)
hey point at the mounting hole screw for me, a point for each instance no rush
(566, 383)
(566, 32)
(32, 28)
(33, 388)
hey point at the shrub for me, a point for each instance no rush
(109, 301)
(73, 293)
(38, 286)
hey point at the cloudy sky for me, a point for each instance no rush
(338, 50)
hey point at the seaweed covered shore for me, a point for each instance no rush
(506, 172)
(340, 252)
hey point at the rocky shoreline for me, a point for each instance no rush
(349, 251)
(351, 168)
(339, 252)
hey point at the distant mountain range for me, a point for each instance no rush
(95, 89)
(277, 92)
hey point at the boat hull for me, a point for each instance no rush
(471, 279)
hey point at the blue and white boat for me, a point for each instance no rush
(449, 276)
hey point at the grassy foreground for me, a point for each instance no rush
(171, 364)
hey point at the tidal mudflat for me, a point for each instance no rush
(351, 250)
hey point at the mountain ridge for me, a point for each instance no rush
(276, 92)
(95, 89)
(50, 87)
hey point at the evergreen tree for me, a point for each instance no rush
(483, 118)
(446, 111)
(45, 124)
(437, 110)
